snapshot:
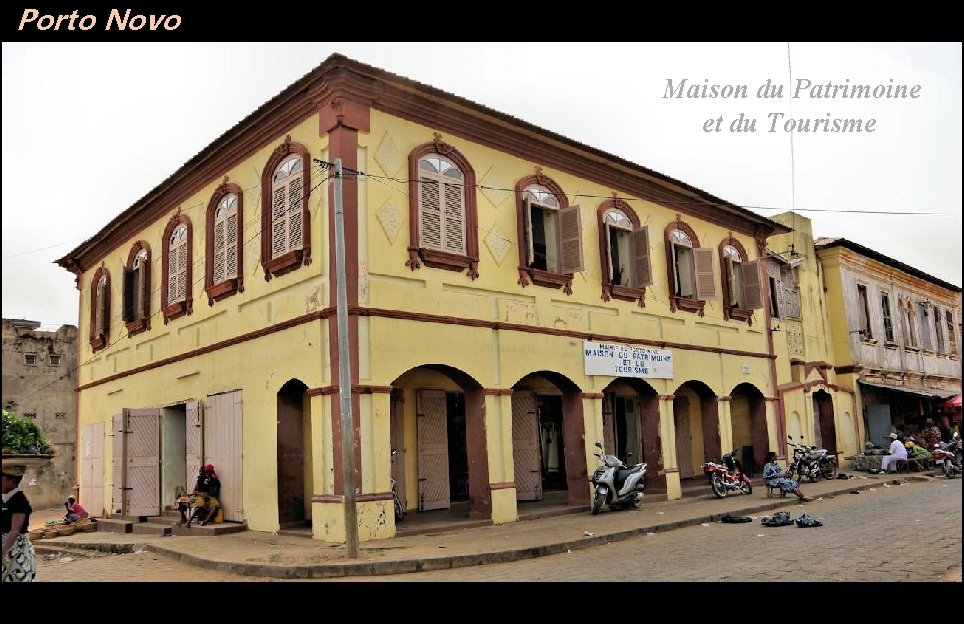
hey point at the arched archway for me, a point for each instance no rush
(697, 425)
(630, 416)
(548, 437)
(748, 419)
(292, 492)
(825, 430)
(437, 423)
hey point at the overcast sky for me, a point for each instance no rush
(88, 129)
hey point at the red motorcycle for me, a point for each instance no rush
(727, 475)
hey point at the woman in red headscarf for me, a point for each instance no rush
(206, 493)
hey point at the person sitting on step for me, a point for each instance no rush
(206, 493)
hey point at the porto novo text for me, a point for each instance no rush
(116, 20)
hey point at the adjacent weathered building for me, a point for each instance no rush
(38, 383)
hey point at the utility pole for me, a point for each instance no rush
(344, 374)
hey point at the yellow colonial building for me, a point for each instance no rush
(514, 297)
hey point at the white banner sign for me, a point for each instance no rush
(619, 360)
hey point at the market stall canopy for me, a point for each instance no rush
(953, 402)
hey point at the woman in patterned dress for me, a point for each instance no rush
(774, 476)
(18, 556)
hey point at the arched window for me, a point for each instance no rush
(552, 234)
(137, 289)
(623, 252)
(689, 269)
(741, 285)
(176, 287)
(223, 275)
(285, 226)
(443, 223)
(100, 309)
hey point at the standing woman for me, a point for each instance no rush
(18, 555)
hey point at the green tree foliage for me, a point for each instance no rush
(22, 435)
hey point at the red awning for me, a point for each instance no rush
(953, 402)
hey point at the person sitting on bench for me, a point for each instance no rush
(774, 476)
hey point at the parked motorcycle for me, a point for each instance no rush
(812, 462)
(727, 475)
(399, 510)
(617, 485)
(945, 454)
(799, 462)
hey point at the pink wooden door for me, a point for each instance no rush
(143, 462)
(193, 443)
(92, 469)
(118, 462)
(222, 447)
(433, 451)
(525, 446)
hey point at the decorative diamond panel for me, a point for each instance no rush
(493, 188)
(498, 243)
(390, 220)
(387, 156)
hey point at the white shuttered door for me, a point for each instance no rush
(222, 447)
(526, 460)
(433, 451)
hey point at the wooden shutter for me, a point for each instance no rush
(527, 231)
(142, 289)
(296, 219)
(729, 278)
(454, 222)
(279, 227)
(703, 269)
(231, 245)
(430, 213)
(182, 271)
(433, 450)
(526, 460)
(642, 271)
(103, 309)
(220, 242)
(570, 244)
(752, 286)
(778, 292)
(143, 462)
(193, 443)
(130, 296)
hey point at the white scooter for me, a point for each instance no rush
(617, 485)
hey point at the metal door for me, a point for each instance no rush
(92, 469)
(878, 425)
(118, 432)
(222, 434)
(193, 443)
(433, 451)
(143, 462)
(526, 460)
(684, 437)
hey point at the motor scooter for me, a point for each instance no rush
(945, 454)
(617, 485)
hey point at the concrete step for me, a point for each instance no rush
(211, 529)
(151, 528)
(114, 525)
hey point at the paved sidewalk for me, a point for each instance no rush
(261, 554)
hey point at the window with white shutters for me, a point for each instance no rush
(441, 205)
(287, 217)
(285, 227)
(223, 243)
(176, 258)
(442, 210)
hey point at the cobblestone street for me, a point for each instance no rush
(918, 524)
